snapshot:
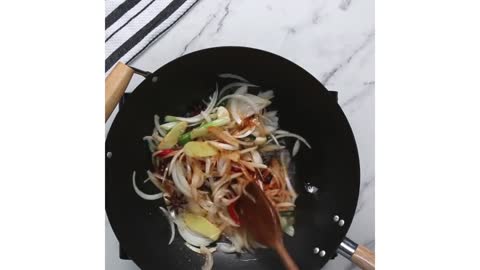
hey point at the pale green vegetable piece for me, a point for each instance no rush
(172, 136)
(199, 149)
(201, 226)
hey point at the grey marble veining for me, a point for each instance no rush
(332, 39)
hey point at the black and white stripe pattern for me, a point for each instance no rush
(131, 25)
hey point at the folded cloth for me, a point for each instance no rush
(132, 25)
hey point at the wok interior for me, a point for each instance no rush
(305, 107)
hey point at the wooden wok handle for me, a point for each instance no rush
(364, 258)
(115, 85)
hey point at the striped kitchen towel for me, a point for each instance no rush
(132, 25)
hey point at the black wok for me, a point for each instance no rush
(326, 177)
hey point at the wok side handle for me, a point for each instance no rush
(364, 258)
(360, 255)
(115, 85)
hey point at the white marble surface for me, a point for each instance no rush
(332, 39)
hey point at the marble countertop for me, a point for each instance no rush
(332, 39)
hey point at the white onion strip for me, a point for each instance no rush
(208, 258)
(154, 180)
(242, 98)
(143, 195)
(283, 134)
(274, 139)
(225, 247)
(156, 120)
(232, 76)
(178, 176)
(228, 220)
(296, 148)
(168, 126)
(197, 250)
(246, 133)
(199, 117)
(189, 236)
(232, 85)
(266, 95)
(256, 157)
(223, 146)
(170, 221)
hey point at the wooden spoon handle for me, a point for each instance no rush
(287, 260)
(115, 85)
(364, 258)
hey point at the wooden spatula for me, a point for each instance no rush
(261, 221)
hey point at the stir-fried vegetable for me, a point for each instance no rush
(202, 164)
(172, 136)
(201, 226)
(199, 149)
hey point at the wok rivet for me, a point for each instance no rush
(322, 253)
(336, 218)
(109, 154)
(341, 222)
(316, 250)
(155, 79)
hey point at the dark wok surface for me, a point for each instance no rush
(305, 107)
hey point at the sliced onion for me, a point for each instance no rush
(253, 165)
(283, 134)
(206, 116)
(290, 230)
(225, 179)
(170, 221)
(199, 117)
(237, 242)
(271, 147)
(256, 158)
(145, 196)
(208, 164)
(270, 129)
(168, 126)
(197, 250)
(267, 94)
(157, 138)
(233, 105)
(154, 180)
(173, 161)
(260, 140)
(285, 204)
(296, 148)
(158, 127)
(232, 76)
(178, 176)
(233, 85)
(189, 236)
(151, 145)
(242, 98)
(208, 258)
(223, 146)
(245, 133)
(222, 165)
(246, 150)
(271, 118)
(274, 139)
(228, 220)
(223, 135)
(227, 202)
(226, 248)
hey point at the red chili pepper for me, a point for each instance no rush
(233, 213)
(163, 153)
